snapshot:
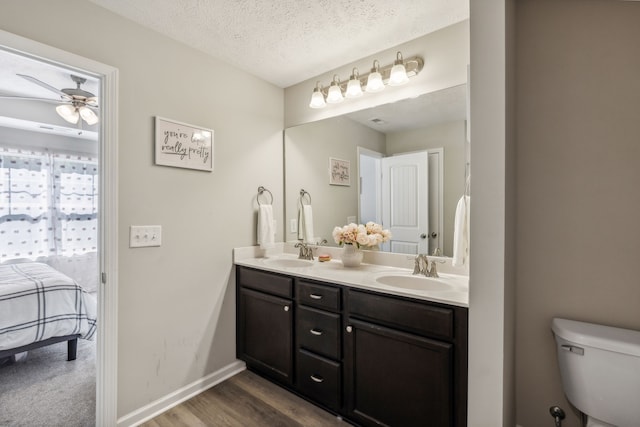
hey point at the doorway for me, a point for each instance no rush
(405, 193)
(106, 259)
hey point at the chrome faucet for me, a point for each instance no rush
(306, 252)
(422, 266)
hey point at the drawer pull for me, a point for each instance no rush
(315, 296)
(316, 379)
(315, 332)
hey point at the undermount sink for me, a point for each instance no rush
(419, 283)
(288, 262)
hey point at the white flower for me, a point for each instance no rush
(370, 234)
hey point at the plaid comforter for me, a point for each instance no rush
(38, 302)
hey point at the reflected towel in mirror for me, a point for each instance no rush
(266, 227)
(305, 224)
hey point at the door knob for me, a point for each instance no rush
(423, 236)
(434, 235)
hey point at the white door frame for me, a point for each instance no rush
(107, 342)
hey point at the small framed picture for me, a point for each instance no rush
(182, 145)
(339, 172)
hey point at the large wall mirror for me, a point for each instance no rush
(368, 144)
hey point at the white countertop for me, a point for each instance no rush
(454, 283)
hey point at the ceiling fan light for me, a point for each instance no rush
(88, 115)
(68, 112)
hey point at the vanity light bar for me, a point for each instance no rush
(338, 89)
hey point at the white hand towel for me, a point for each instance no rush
(305, 224)
(461, 232)
(266, 227)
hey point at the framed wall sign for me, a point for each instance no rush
(339, 172)
(182, 145)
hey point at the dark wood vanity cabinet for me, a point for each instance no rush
(376, 359)
(265, 323)
(405, 361)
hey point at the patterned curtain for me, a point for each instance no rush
(48, 205)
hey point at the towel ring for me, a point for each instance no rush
(302, 194)
(261, 191)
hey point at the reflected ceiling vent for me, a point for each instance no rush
(378, 121)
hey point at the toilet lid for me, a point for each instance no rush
(609, 338)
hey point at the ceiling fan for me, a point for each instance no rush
(75, 103)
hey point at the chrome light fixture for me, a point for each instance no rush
(334, 96)
(394, 74)
(354, 87)
(398, 75)
(374, 81)
(317, 98)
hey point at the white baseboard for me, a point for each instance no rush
(167, 402)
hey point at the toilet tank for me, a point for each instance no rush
(600, 370)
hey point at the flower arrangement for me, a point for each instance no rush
(370, 234)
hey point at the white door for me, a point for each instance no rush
(405, 193)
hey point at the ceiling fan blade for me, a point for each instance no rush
(43, 84)
(28, 98)
(92, 102)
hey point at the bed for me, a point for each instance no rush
(40, 306)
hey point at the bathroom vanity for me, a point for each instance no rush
(367, 353)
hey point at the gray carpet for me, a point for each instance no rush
(44, 389)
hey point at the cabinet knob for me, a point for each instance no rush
(349, 329)
(286, 308)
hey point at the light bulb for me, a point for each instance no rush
(374, 81)
(354, 88)
(398, 75)
(334, 96)
(317, 98)
(88, 115)
(68, 112)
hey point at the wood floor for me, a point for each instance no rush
(246, 400)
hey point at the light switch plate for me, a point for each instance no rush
(293, 225)
(141, 236)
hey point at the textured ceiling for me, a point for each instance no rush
(288, 41)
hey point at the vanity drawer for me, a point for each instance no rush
(318, 331)
(318, 295)
(319, 379)
(272, 283)
(418, 317)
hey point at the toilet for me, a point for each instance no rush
(600, 371)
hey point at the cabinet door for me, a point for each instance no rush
(265, 339)
(394, 378)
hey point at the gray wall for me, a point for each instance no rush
(578, 92)
(307, 149)
(176, 303)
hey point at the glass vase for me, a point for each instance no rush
(351, 256)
